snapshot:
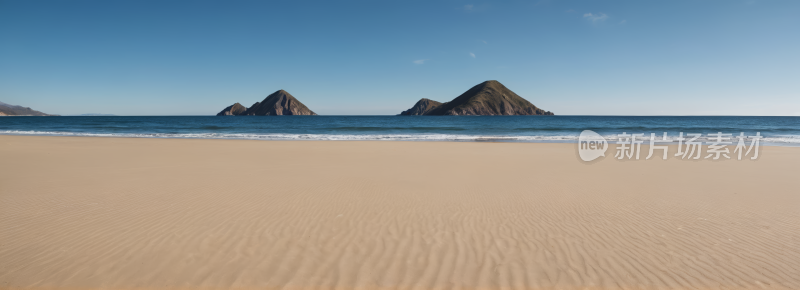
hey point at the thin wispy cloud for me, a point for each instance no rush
(472, 55)
(468, 7)
(623, 21)
(484, 42)
(420, 61)
(595, 17)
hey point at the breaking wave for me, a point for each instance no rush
(780, 140)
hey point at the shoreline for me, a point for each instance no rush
(369, 137)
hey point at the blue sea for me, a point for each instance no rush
(782, 131)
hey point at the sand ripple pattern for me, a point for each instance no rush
(149, 213)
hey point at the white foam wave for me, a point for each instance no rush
(775, 140)
(282, 136)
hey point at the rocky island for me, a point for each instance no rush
(278, 103)
(487, 98)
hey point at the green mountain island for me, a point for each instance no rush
(12, 110)
(278, 103)
(487, 98)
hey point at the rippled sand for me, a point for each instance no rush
(159, 213)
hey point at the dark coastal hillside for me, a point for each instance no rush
(487, 98)
(12, 110)
(276, 104)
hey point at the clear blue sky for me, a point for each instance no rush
(726, 57)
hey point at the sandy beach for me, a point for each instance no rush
(125, 213)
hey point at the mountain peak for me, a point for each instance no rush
(487, 98)
(280, 102)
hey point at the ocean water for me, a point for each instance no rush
(782, 131)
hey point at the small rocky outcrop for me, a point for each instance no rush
(233, 110)
(422, 107)
(276, 104)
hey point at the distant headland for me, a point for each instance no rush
(12, 110)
